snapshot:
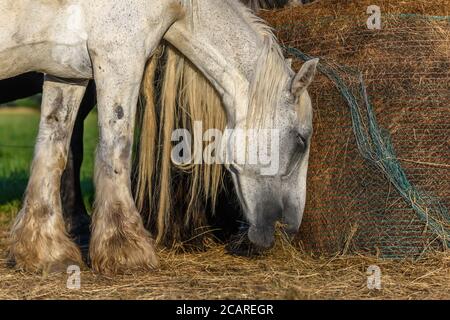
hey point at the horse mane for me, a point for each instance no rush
(271, 72)
(176, 99)
(182, 97)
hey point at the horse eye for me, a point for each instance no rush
(302, 140)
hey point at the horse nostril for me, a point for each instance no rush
(275, 214)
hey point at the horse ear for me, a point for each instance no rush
(304, 77)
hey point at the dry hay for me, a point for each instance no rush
(333, 218)
(284, 273)
(406, 66)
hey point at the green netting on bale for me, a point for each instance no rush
(374, 189)
(376, 146)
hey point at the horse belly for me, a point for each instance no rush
(59, 60)
(48, 38)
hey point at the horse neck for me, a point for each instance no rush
(217, 38)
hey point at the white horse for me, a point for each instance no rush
(111, 41)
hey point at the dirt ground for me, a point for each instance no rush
(284, 273)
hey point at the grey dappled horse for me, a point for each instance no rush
(109, 41)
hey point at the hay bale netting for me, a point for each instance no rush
(406, 66)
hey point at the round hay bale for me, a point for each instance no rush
(406, 67)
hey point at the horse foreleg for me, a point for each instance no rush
(119, 241)
(39, 240)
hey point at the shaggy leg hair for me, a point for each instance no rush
(119, 241)
(39, 240)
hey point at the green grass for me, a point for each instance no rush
(18, 131)
(32, 102)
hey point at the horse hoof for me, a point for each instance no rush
(60, 266)
(45, 264)
(127, 257)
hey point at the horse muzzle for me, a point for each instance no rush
(262, 234)
(262, 238)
